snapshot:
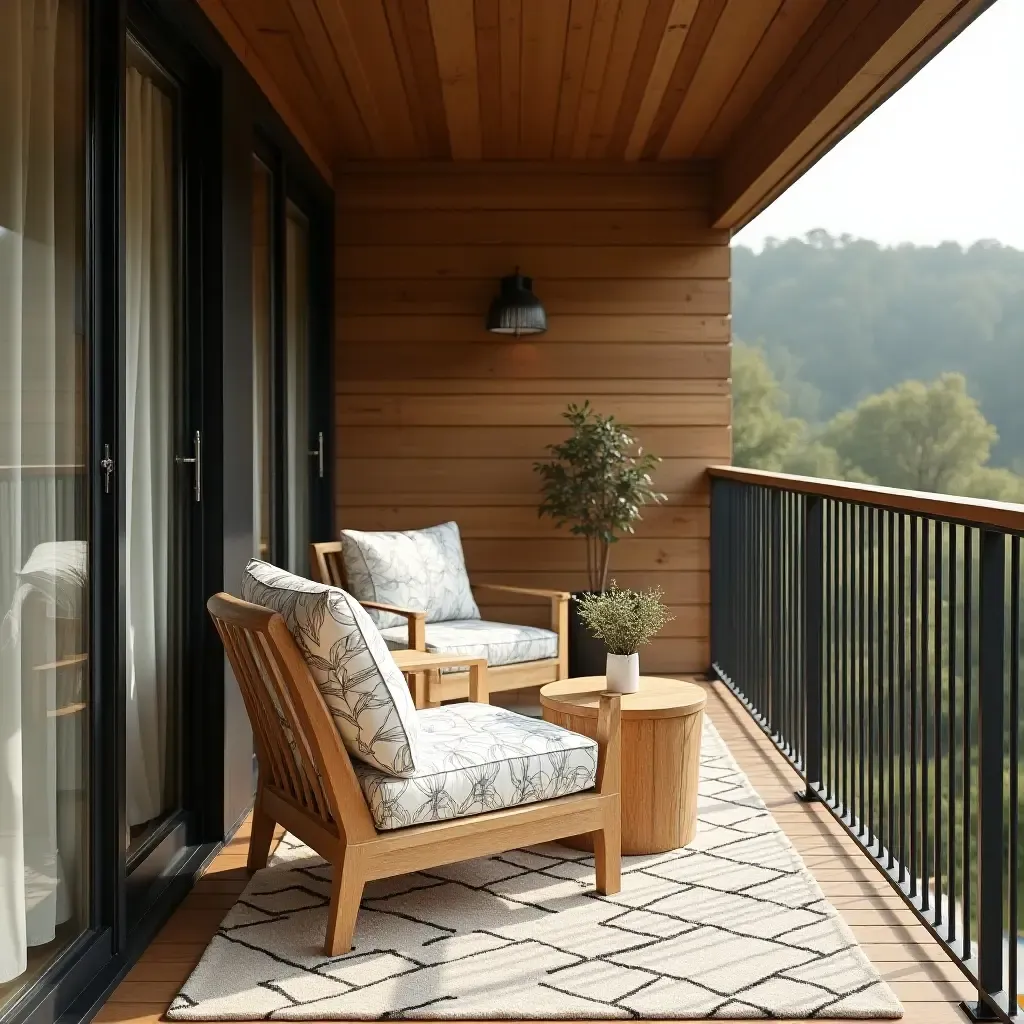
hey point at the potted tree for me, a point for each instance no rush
(596, 483)
(625, 620)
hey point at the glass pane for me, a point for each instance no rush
(44, 674)
(151, 324)
(262, 365)
(300, 462)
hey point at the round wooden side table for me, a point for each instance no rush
(661, 729)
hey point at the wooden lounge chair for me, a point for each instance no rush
(327, 566)
(308, 784)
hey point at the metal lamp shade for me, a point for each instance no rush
(516, 310)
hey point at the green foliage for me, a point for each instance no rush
(624, 619)
(840, 319)
(925, 437)
(896, 366)
(597, 482)
(762, 433)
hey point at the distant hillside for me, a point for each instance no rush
(842, 318)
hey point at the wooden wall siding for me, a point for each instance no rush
(762, 85)
(437, 419)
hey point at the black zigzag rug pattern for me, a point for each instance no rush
(733, 926)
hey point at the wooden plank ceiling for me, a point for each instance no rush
(735, 81)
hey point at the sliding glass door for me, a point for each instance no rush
(45, 691)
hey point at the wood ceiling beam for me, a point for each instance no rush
(853, 56)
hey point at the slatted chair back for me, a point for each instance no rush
(301, 756)
(326, 564)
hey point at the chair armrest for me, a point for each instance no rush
(422, 661)
(609, 743)
(417, 622)
(559, 615)
(550, 595)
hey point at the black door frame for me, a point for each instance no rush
(290, 185)
(154, 866)
(232, 114)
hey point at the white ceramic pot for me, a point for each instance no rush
(622, 672)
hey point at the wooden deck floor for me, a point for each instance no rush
(921, 975)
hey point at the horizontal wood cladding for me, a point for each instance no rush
(438, 419)
(590, 328)
(568, 262)
(531, 227)
(638, 410)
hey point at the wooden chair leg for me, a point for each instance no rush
(346, 892)
(261, 837)
(608, 858)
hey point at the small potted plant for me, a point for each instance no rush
(596, 483)
(625, 620)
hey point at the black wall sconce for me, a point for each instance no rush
(516, 310)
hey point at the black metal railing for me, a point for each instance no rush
(875, 635)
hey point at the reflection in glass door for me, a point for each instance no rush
(45, 701)
(151, 370)
(304, 454)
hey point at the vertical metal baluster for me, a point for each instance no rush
(872, 680)
(991, 726)
(844, 639)
(750, 681)
(858, 664)
(951, 852)
(967, 872)
(829, 613)
(937, 721)
(925, 703)
(778, 697)
(912, 683)
(1014, 754)
(901, 666)
(833, 648)
(891, 676)
(812, 586)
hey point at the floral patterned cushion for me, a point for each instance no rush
(365, 692)
(423, 570)
(501, 643)
(475, 758)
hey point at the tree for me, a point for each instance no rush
(925, 437)
(762, 433)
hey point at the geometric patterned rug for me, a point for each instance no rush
(733, 926)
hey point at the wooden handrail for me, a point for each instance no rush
(1001, 515)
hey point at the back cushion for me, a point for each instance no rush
(365, 692)
(422, 570)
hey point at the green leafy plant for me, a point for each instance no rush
(598, 481)
(624, 619)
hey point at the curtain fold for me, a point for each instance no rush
(149, 337)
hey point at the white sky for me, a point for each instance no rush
(943, 159)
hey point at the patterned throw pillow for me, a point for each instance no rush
(423, 570)
(362, 686)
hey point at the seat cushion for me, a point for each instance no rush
(423, 570)
(501, 643)
(365, 692)
(475, 758)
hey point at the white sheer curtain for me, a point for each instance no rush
(149, 337)
(35, 332)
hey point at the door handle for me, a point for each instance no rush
(196, 462)
(318, 454)
(107, 466)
